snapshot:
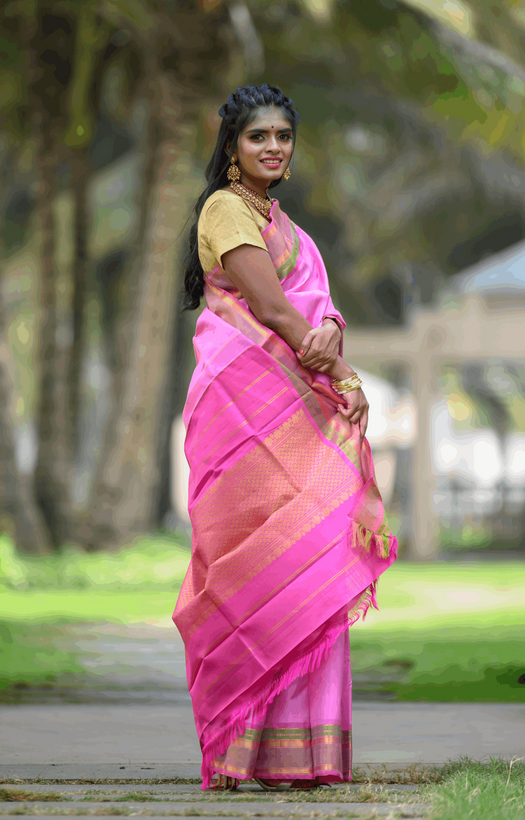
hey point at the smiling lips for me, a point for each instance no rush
(271, 161)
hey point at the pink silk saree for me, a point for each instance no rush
(289, 534)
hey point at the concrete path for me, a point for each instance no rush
(227, 809)
(346, 800)
(121, 735)
(318, 810)
(250, 789)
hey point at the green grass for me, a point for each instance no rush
(28, 656)
(464, 664)
(471, 790)
(445, 631)
(88, 606)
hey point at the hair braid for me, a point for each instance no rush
(235, 114)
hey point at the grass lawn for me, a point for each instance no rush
(485, 791)
(444, 632)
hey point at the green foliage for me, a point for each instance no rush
(467, 536)
(9, 53)
(493, 790)
(377, 15)
(150, 563)
(13, 571)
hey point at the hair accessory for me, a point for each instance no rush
(234, 172)
(287, 174)
(262, 205)
(347, 385)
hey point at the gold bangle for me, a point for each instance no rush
(353, 377)
(347, 385)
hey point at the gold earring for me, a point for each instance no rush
(234, 172)
(287, 174)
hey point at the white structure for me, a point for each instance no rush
(479, 316)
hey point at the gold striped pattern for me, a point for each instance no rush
(288, 753)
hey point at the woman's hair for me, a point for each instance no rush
(240, 110)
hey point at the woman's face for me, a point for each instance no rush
(265, 147)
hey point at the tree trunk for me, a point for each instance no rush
(53, 473)
(127, 484)
(19, 515)
(81, 176)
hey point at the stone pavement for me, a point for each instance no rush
(164, 800)
(87, 735)
(45, 747)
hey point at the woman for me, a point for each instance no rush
(289, 532)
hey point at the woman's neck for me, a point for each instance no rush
(258, 187)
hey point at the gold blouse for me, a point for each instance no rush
(227, 221)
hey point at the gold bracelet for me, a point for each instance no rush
(347, 385)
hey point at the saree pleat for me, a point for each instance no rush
(305, 733)
(289, 532)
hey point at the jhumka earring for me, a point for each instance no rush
(287, 174)
(234, 172)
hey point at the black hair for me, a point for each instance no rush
(237, 113)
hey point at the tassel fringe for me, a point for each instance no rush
(301, 666)
(381, 543)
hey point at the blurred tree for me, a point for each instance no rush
(413, 140)
(129, 478)
(65, 51)
(19, 515)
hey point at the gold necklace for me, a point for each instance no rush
(262, 205)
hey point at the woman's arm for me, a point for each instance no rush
(251, 271)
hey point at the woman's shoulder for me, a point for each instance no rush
(225, 208)
(225, 195)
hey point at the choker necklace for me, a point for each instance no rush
(262, 205)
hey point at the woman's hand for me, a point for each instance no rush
(320, 347)
(356, 410)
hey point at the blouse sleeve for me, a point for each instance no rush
(228, 223)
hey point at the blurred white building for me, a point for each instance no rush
(460, 472)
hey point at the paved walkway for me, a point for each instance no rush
(140, 735)
(348, 800)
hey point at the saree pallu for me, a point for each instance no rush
(289, 531)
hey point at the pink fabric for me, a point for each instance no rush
(305, 732)
(289, 533)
